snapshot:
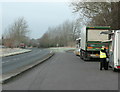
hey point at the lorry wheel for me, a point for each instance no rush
(85, 57)
(81, 54)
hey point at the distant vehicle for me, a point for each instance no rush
(2, 46)
(91, 42)
(114, 59)
(77, 50)
(22, 45)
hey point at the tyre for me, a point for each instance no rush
(85, 58)
(81, 54)
(114, 69)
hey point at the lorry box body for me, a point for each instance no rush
(114, 61)
(91, 41)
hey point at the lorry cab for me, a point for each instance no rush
(77, 50)
(114, 51)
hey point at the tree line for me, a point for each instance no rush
(61, 35)
(90, 14)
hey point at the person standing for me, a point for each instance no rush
(103, 56)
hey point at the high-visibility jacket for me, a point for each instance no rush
(102, 54)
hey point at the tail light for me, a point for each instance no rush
(106, 47)
(118, 66)
(89, 47)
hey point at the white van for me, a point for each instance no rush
(114, 51)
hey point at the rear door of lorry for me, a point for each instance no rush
(94, 35)
(94, 39)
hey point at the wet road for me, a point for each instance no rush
(12, 63)
(65, 71)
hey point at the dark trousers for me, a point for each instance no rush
(103, 64)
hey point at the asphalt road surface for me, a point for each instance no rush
(65, 71)
(12, 63)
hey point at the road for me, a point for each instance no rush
(12, 63)
(65, 71)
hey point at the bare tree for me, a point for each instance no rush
(16, 33)
(61, 35)
(99, 13)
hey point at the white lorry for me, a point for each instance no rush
(114, 51)
(91, 42)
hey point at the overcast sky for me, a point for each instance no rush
(39, 15)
